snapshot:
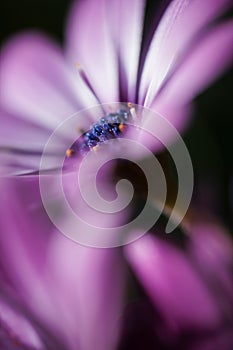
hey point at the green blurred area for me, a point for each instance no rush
(209, 138)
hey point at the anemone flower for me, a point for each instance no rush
(56, 294)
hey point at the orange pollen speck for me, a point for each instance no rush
(69, 152)
(121, 127)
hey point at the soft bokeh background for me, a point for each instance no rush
(209, 138)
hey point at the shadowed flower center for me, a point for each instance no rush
(111, 126)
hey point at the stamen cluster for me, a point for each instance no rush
(108, 127)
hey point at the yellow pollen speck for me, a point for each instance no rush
(69, 152)
(95, 148)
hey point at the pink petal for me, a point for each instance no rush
(181, 23)
(15, 330)
(21, 134)
(156, 134)
(172, 283)
(54, 276)
(161, 36)
(88, 285)
(99, 219)
(211, 248)
(24, 236)
(25, 232)
(21, 144)
(37, 85)
(89, 43)
(125, 20)
(24, 244)
(207, 60)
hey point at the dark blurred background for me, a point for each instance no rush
(209, 138)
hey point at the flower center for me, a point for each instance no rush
(109, 127)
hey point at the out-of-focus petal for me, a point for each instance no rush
(125, 20)
(89, 42)
(208, 59)
(212, 252)
(15, 330)
(175, 288)
(181, 23)
(24, 237)
(21, 134)
(21, 144)
(90, 283)
(20, 207)
(36, 83)
(90, 195)
(173, 116)
(54, 276)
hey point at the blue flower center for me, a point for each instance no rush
(109, 127)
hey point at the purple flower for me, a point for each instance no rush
(54, 293)
(41, 87)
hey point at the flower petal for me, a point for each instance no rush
(172, 283)
(21, 134)
(126, 24)
(208, 59)
(16, 331)
(90, 44)
(24, 248)
(54, 276)
(21, 144)
(179, 26)
(212, 252)
(36, 83)
(88, 284)
(162, 33)
(162, 134)
(20, 205)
